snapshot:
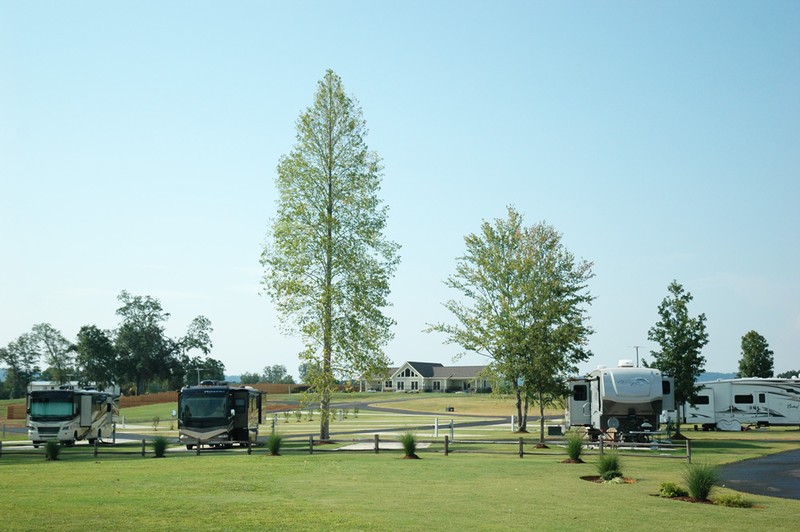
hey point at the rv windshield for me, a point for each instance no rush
(51, 405)
(203, 407)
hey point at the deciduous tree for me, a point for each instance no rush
(526, 302)
(96, 357)
(756, 358)
(327, 263)
(681, 339)
(54, 349)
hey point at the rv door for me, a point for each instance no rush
(580, 403)
(86, 410)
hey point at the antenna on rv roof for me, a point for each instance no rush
(637, 353)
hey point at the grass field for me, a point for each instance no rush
(347, 491)
(365, 491)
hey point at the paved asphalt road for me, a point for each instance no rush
(776, 475)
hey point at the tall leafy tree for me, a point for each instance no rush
(22, 357)
(96, 356)
(757, 360)
(277, 374)
(681, 338)
(327, 263)
(144, 352)
(526, 303)
(55, 350)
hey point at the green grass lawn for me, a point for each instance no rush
(333, 490)
(348, 491)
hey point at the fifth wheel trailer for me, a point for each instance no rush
(626, 398)
(730, 404)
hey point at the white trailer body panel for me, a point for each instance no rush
(625, 399)
(730, 404)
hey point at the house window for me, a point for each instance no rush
(388, 384)
(414, 385)
(437, 385)
(400, 385)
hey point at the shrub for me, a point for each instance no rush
(160, 446)
(298, 414)
(355, 411)
(734, 500)
(700, 478)
(608, 462)
(274, 442)
(156, 421)
(51, 450)
(574, 445)
(611, 474)
(409, 442)
(670, 489)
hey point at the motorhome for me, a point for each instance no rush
(731, 404)
(218, 415)
(69, 412)
(625, 400)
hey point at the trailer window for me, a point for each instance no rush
(579, 392)
(762, 398)
(743, 399)
(665, 388)
(702, 399)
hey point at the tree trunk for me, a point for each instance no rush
(523, 422)
(541, 418)
(518, 405)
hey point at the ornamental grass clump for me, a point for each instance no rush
(608, 466)
(574, 441)
(51, 450)
(274, 442)
(409, 442)
(700, 479)
(160, 446)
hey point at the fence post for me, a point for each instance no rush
(452, 436)
(249, 446)
(143, 446)
(311, 444)
(689, 450)
(601, 445)
(513, 426)
(435, 427)
(198, 446)
(1, 448)
(95, 446)
(446, 445)
(377, 440)
(521, 452)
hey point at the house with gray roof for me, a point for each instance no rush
(431, 377)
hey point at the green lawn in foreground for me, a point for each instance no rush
(324, 491)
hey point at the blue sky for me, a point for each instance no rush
(138, 146)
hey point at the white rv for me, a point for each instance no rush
(730, 404)
(68, 413)
(626, 398)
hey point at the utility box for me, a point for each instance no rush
(554, 430)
